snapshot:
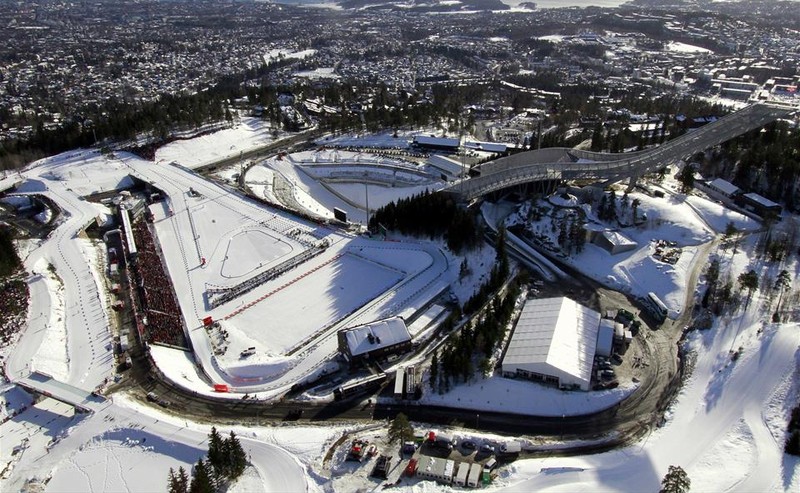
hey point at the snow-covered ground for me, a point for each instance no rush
(496, 393)
(689, 222)
(130, 447)
(726, 427)
(247, 134)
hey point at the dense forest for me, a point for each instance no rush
(14, 301)
(431, 215)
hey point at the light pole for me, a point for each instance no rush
(366, 195)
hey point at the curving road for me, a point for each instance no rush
(88, 339)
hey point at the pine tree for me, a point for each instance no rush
(173, 482)
(434, 373)
(712, 273)
(602, 208)
(598, 138)
(782, 282)
(634, 208)
(216, 454)
(201, 481)
(612, 206)
(675, 481)
(686, 178)
(236, 458)
(400, 430)
(748, 281)
(182, 480)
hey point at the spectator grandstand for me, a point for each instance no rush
(161, 314)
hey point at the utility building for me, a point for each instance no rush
(373, 340)
(553, 342)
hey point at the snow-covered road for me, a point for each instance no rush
(88, 339)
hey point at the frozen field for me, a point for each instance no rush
(289, 317)
(246, 135)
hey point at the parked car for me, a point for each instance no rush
(152, 397)
(487, 448)
(468, 445)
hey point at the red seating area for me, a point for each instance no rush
(159, 304)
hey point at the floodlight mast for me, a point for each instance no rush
(366, 194)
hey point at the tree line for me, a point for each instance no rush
(766, 162)
(225, 463)
(478, 340)
(9, 260)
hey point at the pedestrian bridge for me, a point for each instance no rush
(559, 163)
(46, 385)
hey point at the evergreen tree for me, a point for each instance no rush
(502, 253)
(686, 178)
(434, 373)
(235, 457)
(598, 138)
(602, 208)
(400, 430)
(183, 480)
(782, 283)
(712, 273)
(748, 281)
(216, 453)
(675, 481)
(612, 206)
(562, 234)
(730, 231)
(201, 481)
(173, 482)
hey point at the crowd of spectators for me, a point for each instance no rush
(159, 305)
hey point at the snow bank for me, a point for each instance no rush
(522, 397)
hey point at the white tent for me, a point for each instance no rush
(554, 341)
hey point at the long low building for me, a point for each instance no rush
(554, 342)
(374, 340)
(435, 468)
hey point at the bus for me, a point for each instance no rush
(657, 307)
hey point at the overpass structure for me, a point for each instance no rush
(46, 385)
(559, 163)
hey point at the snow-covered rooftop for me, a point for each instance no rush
(724, 186)
(761, 200)
(555, 332)
(617, 238)
(376, 335)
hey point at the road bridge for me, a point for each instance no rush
(560, 163)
